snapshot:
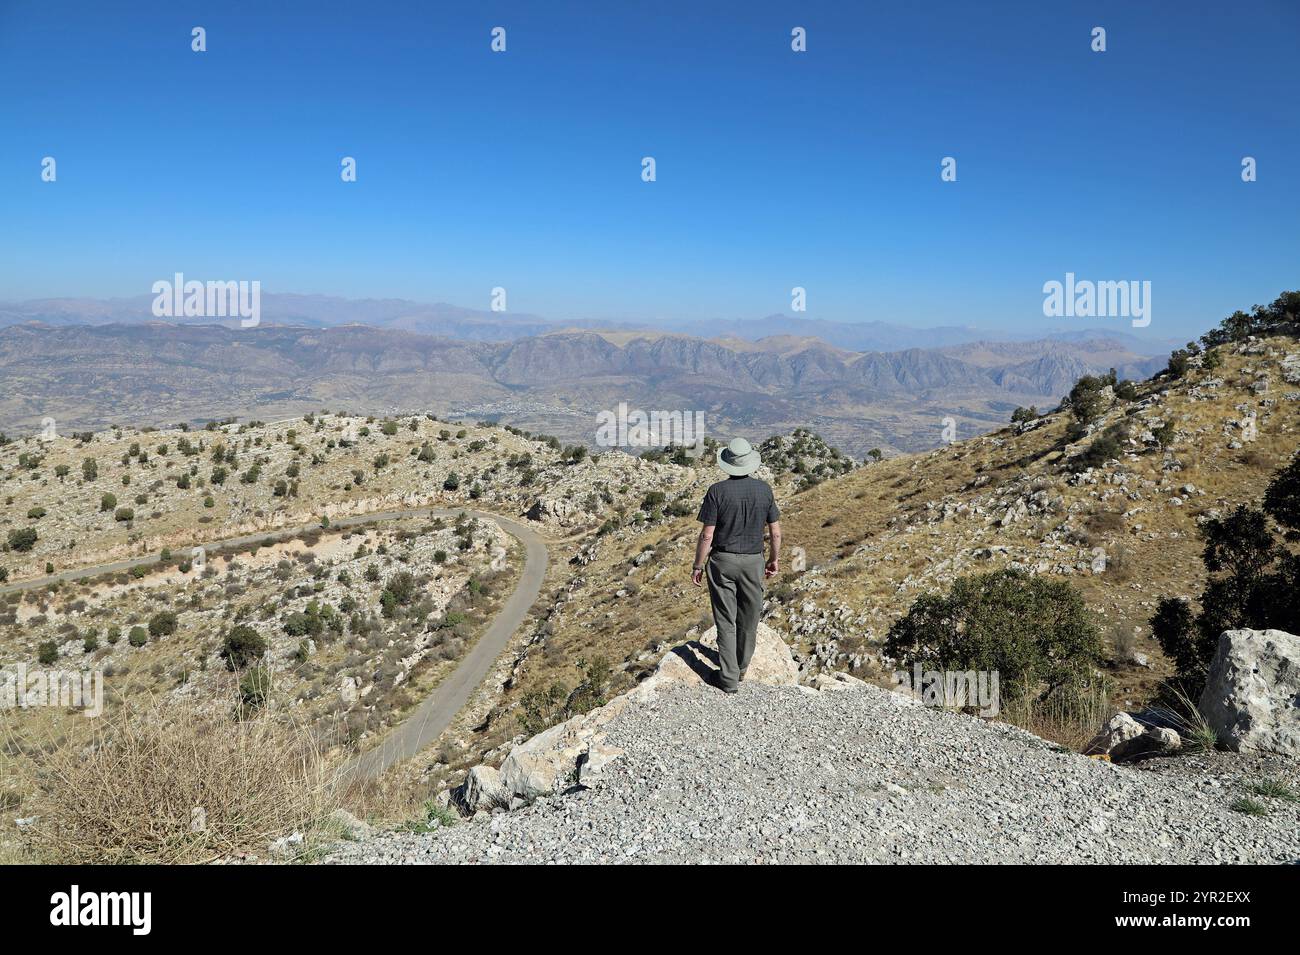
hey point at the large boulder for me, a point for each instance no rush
(482, 789)
(1124, 737)
(696, 662)
(1252, 694)
(1117, 738)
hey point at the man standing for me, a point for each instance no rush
(734, 514)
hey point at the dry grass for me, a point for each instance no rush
(1069, 719)
(398, 795)
(159, 784)
(1184, 716)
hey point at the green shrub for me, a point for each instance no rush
(138, 636)
(242, 646)
(1180, 360)
(162, 624)
(1105, 447)
(22, 540)
(1036, 633)
(255, 687)
(1253, 581)
(402, 587)
(48, 653)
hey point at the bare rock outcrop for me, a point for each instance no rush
(574, 752)
(1252, 694)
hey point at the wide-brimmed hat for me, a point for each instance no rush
(739, 459)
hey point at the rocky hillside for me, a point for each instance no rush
(94, 497)
(346, 630)
(356, 621)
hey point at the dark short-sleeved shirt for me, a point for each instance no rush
(739, 509)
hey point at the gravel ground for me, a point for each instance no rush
(786, 775)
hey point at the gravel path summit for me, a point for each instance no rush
(788, 774)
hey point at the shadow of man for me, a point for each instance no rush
(699, 657)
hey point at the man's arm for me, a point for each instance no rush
(774, 564)
(702, 548)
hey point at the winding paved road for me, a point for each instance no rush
(436, 712)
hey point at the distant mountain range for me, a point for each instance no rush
(156, 372)
(466, 324)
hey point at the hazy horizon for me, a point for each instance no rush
(775, 169)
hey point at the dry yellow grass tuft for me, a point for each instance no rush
(160, 784)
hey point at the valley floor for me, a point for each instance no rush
(792, 775)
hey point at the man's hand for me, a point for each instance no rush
(773, 568)
(702, 548)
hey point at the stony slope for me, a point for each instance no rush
(789, 774)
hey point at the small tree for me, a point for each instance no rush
(1254, 582)
(1086, 400)
(242, 646)
(1180, 361)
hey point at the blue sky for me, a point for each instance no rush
(775, 169)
